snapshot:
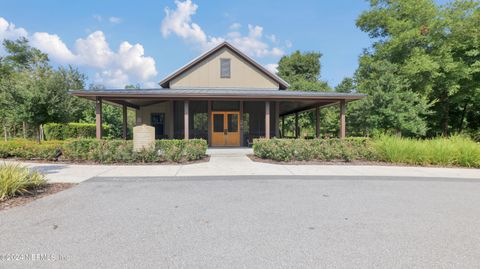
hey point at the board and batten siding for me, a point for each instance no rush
(206, 74)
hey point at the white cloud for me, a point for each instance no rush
(179, 22)
(235, 26)
(115, 20)
(53, 46)
(127, 65)
(272, 68)
(10, 31)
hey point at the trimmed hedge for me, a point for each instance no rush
(314, 149)
(63, 131)
(453, 151)
(105, 151)
(30, 150)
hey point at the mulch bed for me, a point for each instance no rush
(35, 194)
(61, 161)
(341, 162)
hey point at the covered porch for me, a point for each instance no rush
(223, 117)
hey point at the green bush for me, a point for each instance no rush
(105, 151)
(62, 131)
(17, 180)
(314, 149)
(28, 149)
(453, 151)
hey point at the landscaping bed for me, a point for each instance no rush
(105, 151)
(448, 152)
(36, 193)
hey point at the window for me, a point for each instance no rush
(158, 122)
(224, 68)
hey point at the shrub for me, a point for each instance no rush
(62, 131)
(455, 151)
(28, 149)
(314, 149)
(18, 180)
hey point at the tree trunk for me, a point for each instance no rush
(446, 116)
(24, 129)
(5, 132)
(37, 131)
(464, 112)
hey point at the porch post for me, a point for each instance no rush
(171, 120)
(283, 126)
(124, 110)
(277, 121)
(98, 117)
(185, 119)
(342, 119)
(267, 119)
(209, 122)
(317, 122)
(296, 125)
(241, 124)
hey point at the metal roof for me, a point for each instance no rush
(202, 93)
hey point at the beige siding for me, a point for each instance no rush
(143, 115)
(207, 74)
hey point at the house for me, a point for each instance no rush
(222, 96)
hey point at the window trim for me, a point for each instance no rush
(222, 60)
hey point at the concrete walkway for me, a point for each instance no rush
(226, 161)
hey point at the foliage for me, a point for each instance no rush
(18, 180)
(454, 151)
(62, 131)
(347, 85)
(28, 149)
(112, 151)
(313, 149)
(433, 51)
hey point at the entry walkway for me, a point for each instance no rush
(234, 161)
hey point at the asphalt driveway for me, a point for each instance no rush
(249, 222)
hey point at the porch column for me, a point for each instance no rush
(283, 126)
(209, 122)
(241, 124)
(342, 119)
(171, 119)
(296, 125)
(277, 121)
(317, 122)
(124, 110)
(267, 119)
(185, 119)
(98, 117)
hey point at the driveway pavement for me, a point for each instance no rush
(250, 222)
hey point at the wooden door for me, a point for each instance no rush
(225, 128)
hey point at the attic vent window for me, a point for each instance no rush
(224, 68)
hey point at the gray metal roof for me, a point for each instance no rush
(218, 92)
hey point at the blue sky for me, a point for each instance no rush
(116, 43)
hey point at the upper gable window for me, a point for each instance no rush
(224, 68)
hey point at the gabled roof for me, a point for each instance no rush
(165, 83)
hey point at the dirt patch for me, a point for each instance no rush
(35, 194)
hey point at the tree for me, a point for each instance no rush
(302, 71)
(346, 86)
(434, 51)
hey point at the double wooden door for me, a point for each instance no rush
(225, 128)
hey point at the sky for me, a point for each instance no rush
(140, 42)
